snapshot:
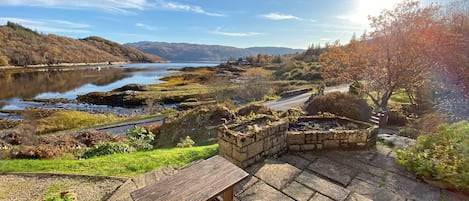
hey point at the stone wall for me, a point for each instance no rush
(332, 139)
(244, 148)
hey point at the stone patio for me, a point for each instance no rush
(338, 176)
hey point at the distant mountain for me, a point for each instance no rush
(22, 46)
(275, 50)
(199, 52)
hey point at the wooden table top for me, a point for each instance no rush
(200, 181)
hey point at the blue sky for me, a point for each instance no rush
(239, 23)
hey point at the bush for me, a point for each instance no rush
(107, 149)
(443, 155)
(356, 88)
(256, 109)
(341, 104)
(140, 138)
(91, 138)
(186, 142)
(36, 152)
(409, 132)
(397, 118)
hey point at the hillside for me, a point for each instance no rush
(199, 52)
(22, 46)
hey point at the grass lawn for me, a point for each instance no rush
(124, 165)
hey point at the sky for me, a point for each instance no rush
(238, 23)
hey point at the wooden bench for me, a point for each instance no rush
(202, 181)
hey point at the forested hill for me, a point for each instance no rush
(199, 52)
(22, 46)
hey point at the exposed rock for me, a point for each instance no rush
(123, 99)
(131, 87)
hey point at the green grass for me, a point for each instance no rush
(400, 96)
(124, 165)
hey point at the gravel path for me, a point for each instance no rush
(38, 186)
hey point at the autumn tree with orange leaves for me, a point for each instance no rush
(392, 56)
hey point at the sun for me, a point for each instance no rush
(367, 8)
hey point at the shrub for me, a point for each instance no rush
(36, 152)
(186, 142)
(443, 155)
(356, 88)
(397, 118)
(409, 132)
(256, 109)
(91, 138)
(108, 148)
(140, 138)
(341, 104)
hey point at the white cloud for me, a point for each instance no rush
(168, 5)
(114, 6)
(279, 16)
(121, 6)
(146, 26)
(48, 25)
(218, 31)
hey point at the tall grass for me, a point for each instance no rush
(64, 120)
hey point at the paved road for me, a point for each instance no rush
(298, 101)
(121, 129)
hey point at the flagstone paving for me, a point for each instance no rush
(321, 176)
(337, 176)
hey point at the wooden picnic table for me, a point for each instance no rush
(202, 181)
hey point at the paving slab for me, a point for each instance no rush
(123, 192)
(298, 192)
(320, 197)
(373, 192)
(276, 173)
(144, 179)
(309, 155)
(411, 188)
(297, 161)
(367, 168)
(323, 186)
(245, 184)
(363, 156)
(390, 164)
(357, 197)
(262, 191)
(333, 170)
(383, 150)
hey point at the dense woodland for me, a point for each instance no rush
(21, 46)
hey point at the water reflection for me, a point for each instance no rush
(29, 84)
(18, 85)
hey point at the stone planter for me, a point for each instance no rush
(330, 132)
(245, 143)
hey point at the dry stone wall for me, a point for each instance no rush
(246, 148)
(332, 139)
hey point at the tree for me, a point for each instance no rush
(392, 56)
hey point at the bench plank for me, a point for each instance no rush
(200, 181)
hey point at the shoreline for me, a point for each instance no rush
(61, 65)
